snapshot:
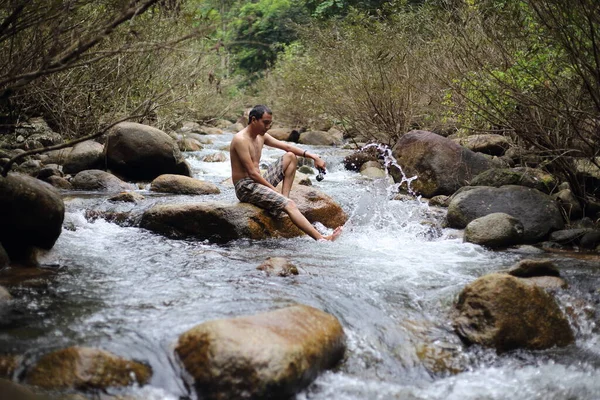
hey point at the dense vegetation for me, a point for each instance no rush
(528, 69)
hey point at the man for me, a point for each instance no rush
(252, 187)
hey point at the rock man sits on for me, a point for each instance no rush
(252, 187)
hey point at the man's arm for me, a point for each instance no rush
(278, 144)
(242, 150)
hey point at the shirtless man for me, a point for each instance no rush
(252, 187)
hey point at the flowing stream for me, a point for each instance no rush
(391, 279)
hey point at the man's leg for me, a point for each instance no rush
(301, 222)
(290, 162)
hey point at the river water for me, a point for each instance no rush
(390, 279)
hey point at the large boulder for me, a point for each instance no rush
(321, 138)
(492, 144)
(85, 155)
(441, 165)
(494, 230)
(538, 213)
(86, 368)
(280, 133)
(141, 152)
(31, 215)
(95, 179)
(270, 355)
(503, 312)
(222, 222)
(529, 177)
(179, 184)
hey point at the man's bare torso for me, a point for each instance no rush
(243, 141)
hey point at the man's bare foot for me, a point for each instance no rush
(336, 233)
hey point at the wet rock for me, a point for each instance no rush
(27, 277)
(439, 201)
(84, 156)
(29, 167)
(31, 212)
(279, 266)
(495, 145)
(373, 173)
(59, 182)
(222, 222)
(305, 169)
(546, 282)
(320, 138)
(8, 365)
(441, 165)
(528, 177)
(95, 179)
(494, 230)
(216, 157)
(355, 161)
(85, 368)
(189, 144)
(569, 204)
(439, 360)
(502, 312)
(179, 184)
(269, 355)
(140, 152)
(538, 213)
(529, 268)
(127, 197)
(50, 170)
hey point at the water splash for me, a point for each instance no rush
(388, 162)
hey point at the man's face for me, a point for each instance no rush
(264, 123)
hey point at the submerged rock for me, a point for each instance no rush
(31, 215)
(538, 213)
(279, 266)
(85, 368)
(502, 312)
(269, 355)
(127, 197)
(179, 184)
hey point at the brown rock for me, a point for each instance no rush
(503, 312)
(180, 184)
(59, 182)
(85, 368)
(278, 266)
(127, 197)
(189, 144)
(13, 391)
(8, 365)
(280, 133)
(216, 157)
(269, 355)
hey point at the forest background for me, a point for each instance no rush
(526, 69)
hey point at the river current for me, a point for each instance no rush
(391, 279)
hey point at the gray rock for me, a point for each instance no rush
(494, 230)
(189, 144)
(538, 213)
(59, 182)
(546, 282)
(127, 197)
(85, 155)
(141, 152)
(95, 179)
(529, 268)
(528, 177)
(569, 236)
(439, 201)
(569, 204)
(590, 240)
(492, 144)
(441, 165)
(215, 157)
(179, 184)
(373, 172)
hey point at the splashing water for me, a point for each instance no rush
(388, 162)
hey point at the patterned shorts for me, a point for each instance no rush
(248, 191)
